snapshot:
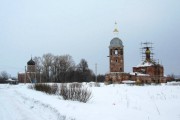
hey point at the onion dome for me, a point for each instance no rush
(31, 62)
(148, 51)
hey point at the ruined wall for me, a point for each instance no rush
(155, 70)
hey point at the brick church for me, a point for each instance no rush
(148, 71)
(29, 76)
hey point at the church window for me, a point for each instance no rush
(116, 52)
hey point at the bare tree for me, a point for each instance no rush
(66, 64)
(86, 74)
(4, 76)
(47, 66)
(62, 69)
(39, 67)
(83, 65)
(55, 68)
(171, 77)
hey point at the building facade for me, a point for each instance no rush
(148, 71)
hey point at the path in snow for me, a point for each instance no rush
(15, 106)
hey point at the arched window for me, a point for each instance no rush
(116, 51)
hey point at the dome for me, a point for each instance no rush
(147, 51)
(31, 62)
(116, 42)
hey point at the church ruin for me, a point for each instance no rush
(149, 71)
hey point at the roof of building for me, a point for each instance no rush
(31, 62)
(145, 64)
(139, 74)
(116, 42)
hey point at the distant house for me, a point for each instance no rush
(10, 81)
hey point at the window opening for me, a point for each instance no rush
(116, 52)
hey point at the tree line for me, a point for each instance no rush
(4, 76)
(55, 68)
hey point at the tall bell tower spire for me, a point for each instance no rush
(116, 53)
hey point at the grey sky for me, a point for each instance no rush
(83, 29)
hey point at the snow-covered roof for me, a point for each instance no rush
(138, 74)
(145, 64)
(10, 80)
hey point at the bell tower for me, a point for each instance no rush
(31, 71)
(116, 53)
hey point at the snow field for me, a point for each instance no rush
(109, 102)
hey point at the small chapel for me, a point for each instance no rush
(29, 76)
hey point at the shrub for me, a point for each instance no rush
(75, 85)
(54, 88)
(90, 84)
(96, 84)
(75, 92)
(49, 89)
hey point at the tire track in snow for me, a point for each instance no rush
(33, 103)
(154, 103)
(15, 106)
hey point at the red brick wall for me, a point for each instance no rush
(116, 61)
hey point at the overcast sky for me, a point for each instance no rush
(84, 28)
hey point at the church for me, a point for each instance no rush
(29, 76)
(148, 71)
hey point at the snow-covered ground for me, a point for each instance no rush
(111, 102)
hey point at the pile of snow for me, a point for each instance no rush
(173, 83)
(111, 102)
(128, 82)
